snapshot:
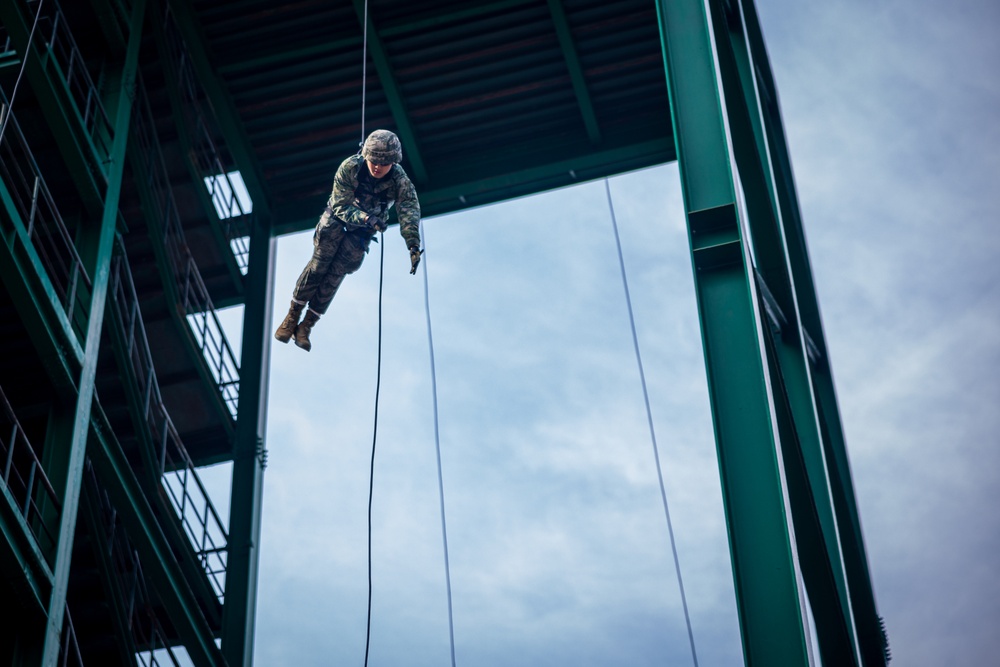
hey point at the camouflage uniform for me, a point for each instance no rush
(342, 236)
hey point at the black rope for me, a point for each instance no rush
(437, 446)
(24, 62)
(649, 418)
(371, 475)
(364, 71)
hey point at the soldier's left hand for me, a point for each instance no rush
(414, 259)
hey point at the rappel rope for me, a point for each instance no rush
(649, 418)
(364, 70)
(371, 475)
(378, 372)
(437, 448)
(24, 61)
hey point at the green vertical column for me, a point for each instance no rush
(249, 453)
(855, 560)
(816, 535)
(764, 572)
(96, 251)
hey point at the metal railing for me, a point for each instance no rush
(42, 224)
(178, 477)
(192, 294)
(72, 69)
(202, 126)
(25, 480)
(148, 635)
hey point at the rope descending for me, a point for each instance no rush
(371, 475)
(437, 447)
(649, 418)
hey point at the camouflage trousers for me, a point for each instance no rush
(336, 253)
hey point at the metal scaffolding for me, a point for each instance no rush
(123, 233)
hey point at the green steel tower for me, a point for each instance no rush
(152, 152)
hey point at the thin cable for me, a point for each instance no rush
(364, 71)
(371, 475)
(24, 61)
(649, 417)
(437, 447)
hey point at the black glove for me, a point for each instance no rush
(415, 253)
(377, 223)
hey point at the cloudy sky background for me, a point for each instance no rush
(557, 537)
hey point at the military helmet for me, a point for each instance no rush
(382, 147)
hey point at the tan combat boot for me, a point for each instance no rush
(305, 327)
(287, 328)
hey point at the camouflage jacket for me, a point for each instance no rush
(356, 192)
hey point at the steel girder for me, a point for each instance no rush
(96, 251)
(759, 353)
(250, 453)
(756, 381)
(870, 635)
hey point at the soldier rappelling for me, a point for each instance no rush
(365, 187)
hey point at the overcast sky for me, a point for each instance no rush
(558, 543)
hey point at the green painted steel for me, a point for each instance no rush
(864, 612)
(453, 15)
(764, 571)
(818, 545)
(99, 246)
(404, 128)
(575, 70)
(249, 457)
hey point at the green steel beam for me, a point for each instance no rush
(766, 581)
(480, 190)
(249, 460)
(96, 252)
(63, 118)
(575, 70)
(810, 502)
(819, 555)
(237, 140)
(411, 149)
(867, 621)
(155, 551)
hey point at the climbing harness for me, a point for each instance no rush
(24, 61)
(649, 418)
(437, 447)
